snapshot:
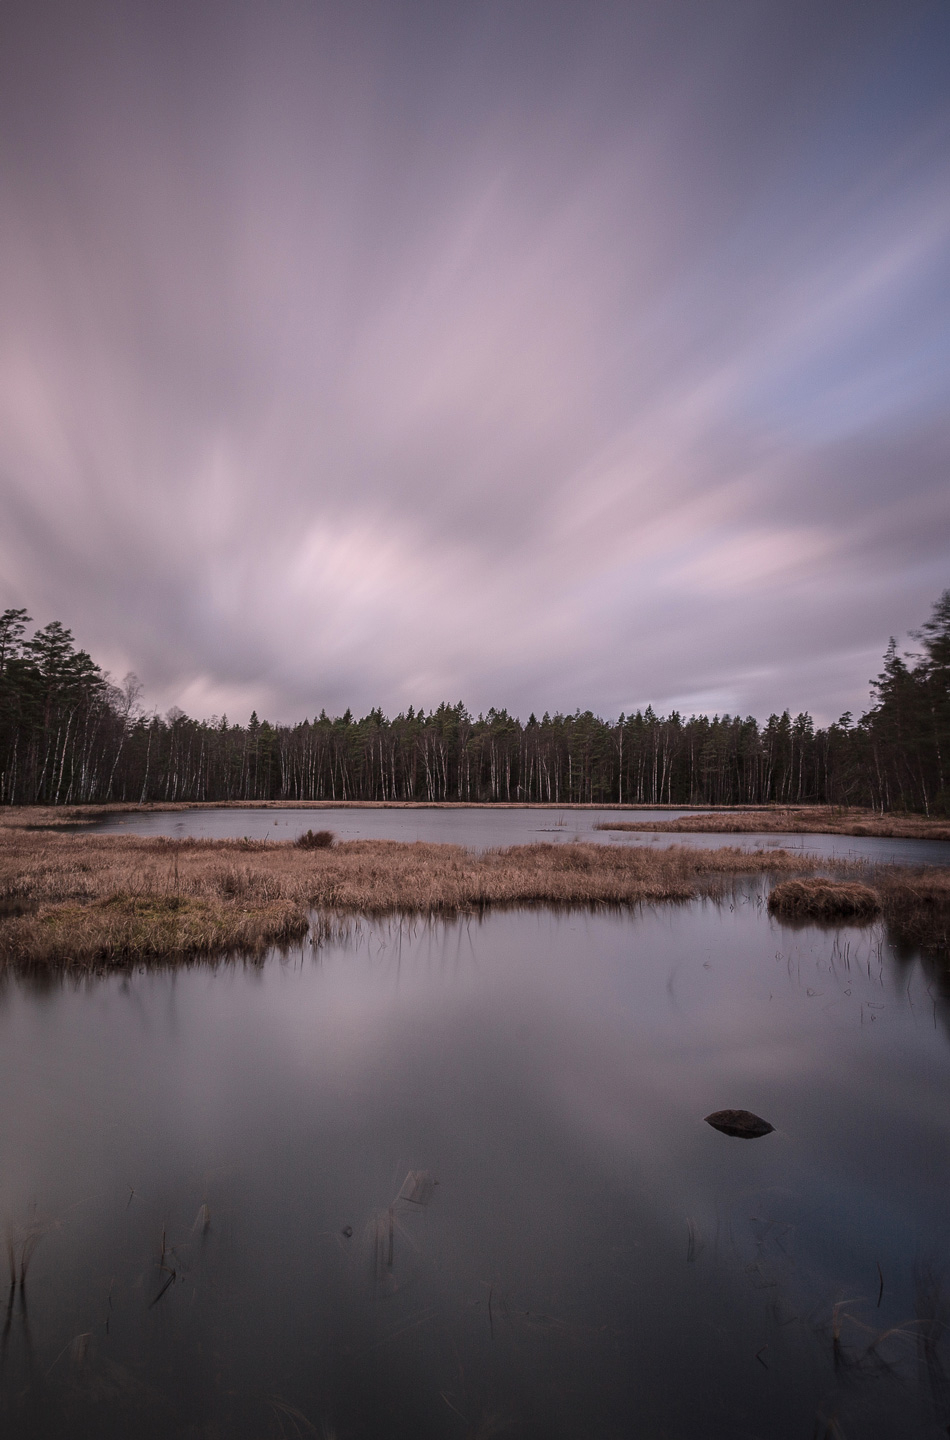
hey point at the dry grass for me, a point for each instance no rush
(923, 888)
(94, 900)
(914, 902)
(917, 907)
(802, 820)
(819, 899)
(155, 927)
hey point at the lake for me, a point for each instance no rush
(479, 828)
(222, 1182)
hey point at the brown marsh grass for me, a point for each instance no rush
(798, 820)
(915, 903)
(815, 898)
(94, 900)
(88, 900)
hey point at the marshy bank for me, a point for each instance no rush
(91, 901)
(792, 820)
(820, 899)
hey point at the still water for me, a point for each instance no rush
(203, 1169)
(481, 828)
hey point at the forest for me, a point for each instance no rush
(69, 735)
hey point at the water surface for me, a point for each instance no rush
(594, 1261)
(480, 828)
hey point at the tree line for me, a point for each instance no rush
(69, 735)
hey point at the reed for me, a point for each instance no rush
(815, 898)
(20, 1243)
(92, 901)
(797, 820)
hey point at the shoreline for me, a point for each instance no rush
(796, 820)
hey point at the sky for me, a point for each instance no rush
(536, 355)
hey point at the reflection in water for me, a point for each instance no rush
(455, 1180)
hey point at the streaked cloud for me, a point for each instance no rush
(387, 354)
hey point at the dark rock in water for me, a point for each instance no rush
(741, 1123)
